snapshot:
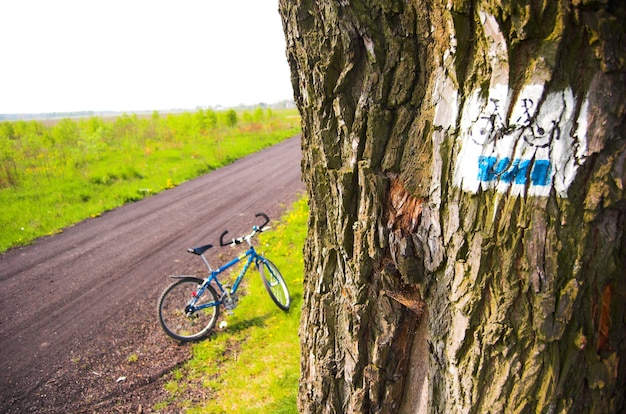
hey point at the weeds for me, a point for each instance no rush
(54, 176)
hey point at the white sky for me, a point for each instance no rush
(124, 55)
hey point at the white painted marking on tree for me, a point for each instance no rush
(526, 147)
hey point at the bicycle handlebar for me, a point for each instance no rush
(255, 230)
(267, 219)
(222, 239)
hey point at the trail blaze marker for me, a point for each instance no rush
(515, 171)
(526, 142)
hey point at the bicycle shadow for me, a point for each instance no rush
(243, 324)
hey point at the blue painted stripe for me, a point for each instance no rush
(515, 171)
(540, 174)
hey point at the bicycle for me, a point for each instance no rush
(189, 308)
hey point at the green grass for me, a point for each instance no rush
(252, 366)
(52, 176)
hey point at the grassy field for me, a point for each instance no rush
(251, 366)
(52, 176)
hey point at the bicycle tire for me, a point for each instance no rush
(172, 315)
(274, 284)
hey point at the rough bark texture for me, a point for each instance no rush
(465, 166)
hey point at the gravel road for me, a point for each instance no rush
(78, 329)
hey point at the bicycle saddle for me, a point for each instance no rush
(199, 250)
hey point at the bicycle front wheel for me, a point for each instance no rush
(274, 284)
(178, 319)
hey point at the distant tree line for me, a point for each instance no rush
(285, 104)
(14, 117)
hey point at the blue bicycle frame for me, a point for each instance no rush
(201, 298)
(252, 256)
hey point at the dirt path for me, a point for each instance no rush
(78, 330)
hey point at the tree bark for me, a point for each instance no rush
(465, 167)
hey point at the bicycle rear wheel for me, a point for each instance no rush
(180, 322)
(274, 284)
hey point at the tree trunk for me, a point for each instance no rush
(465, 166)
